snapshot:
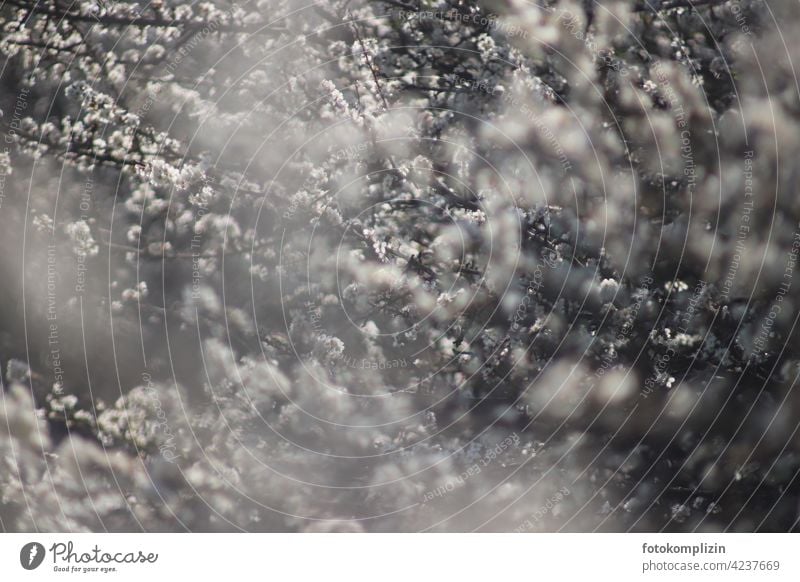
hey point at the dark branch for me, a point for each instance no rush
(107, 20)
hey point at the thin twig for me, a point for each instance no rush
(673, 4)
(370, 64)
(258, 28)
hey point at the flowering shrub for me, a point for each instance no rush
(406, 265)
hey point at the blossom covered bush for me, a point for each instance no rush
(399, 265)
